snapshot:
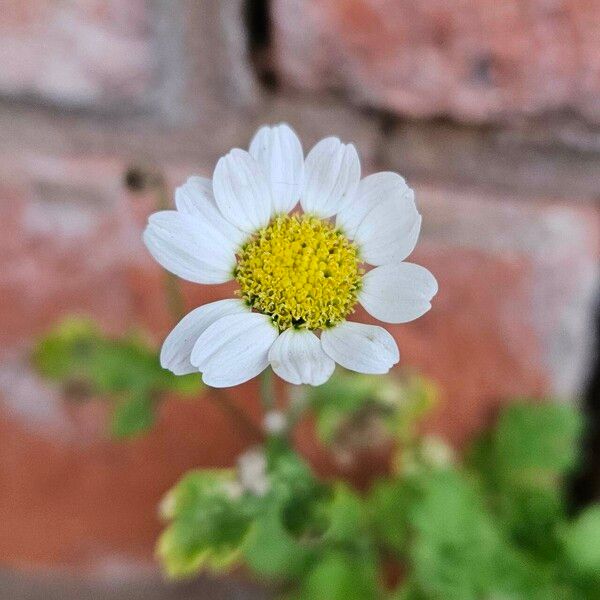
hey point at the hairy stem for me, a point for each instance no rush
(267, 390)
(297, 406)
(238, 415)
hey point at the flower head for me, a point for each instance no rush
(306, 240)
(301, 271)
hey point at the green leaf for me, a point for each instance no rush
(183, 554)
(186, 386)
(535, 443)
(347, 516)
(521, 463)
(582, 542)
(339, 576)
(408, 590)
(125, 370)
(124, 365)
(532, 516)
(339, 398)
(66, 350)
(133, 415)
(456, 550)
(210, 520)
(414, 401)
(389, 502)
(271, 551)
(345, 390)
(296, 491)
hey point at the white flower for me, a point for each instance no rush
(300, 272)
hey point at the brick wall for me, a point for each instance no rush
(489, 109)
(482, 61)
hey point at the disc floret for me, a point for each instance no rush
(301, 271)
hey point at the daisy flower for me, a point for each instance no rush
(306, 240)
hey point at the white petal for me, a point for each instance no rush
(189, 248)
(279, 153)
(177, 348)
(390, 229)
(371, 191)
(398, 293)
(297, 357)
(360, 347)
(241, 191)
(195, 197)
(331, 174)
(194, 194)
(234, 349)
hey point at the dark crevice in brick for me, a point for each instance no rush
(257, 17)
(94, 110)
(555, 153)
(557, 130)
(585, 486)
(389, 123)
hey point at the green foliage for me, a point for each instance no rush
(126, 370)
(346, 513)
(521, 464)
(298, 531)
(133, 414)
(338, 399)
(271, 550)
(495, 527)
(456, 550)
(582, 543)
(388, 503)
(535, 443)
(339, 575)
(398, 404)
(210, 519)
(279, 544)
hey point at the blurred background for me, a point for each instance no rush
(491, 110)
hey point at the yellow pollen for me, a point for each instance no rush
(301, 272)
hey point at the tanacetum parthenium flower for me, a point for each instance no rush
(307, 240)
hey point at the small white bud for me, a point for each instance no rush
(275, 422)
(436, 452)
(252, 471)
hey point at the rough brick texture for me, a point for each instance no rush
(76, 52)
(179, 60)
(472, 60)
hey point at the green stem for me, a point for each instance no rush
(238, 415)
(175, 301)
(297, 406)
(267, 390)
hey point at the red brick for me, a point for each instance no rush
(62, 249)
(89, 499)
(91, 51)
(474, 60)
(555, 244)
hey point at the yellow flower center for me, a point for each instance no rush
(300, 271)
